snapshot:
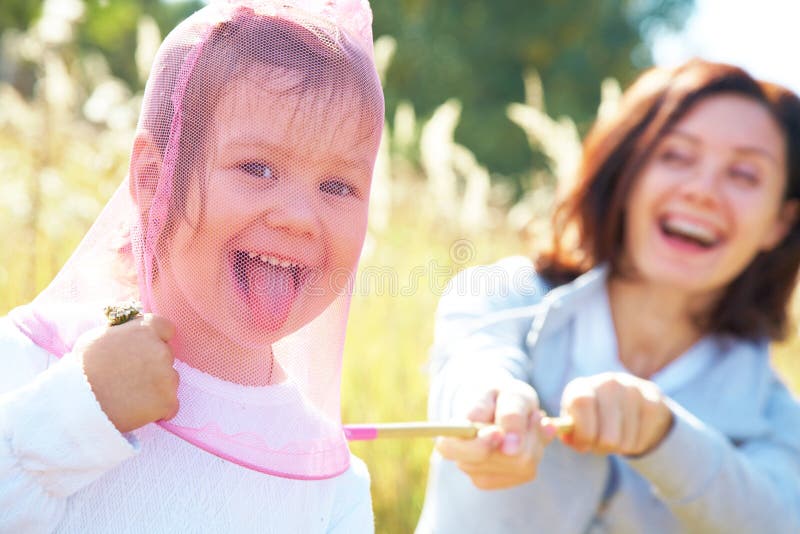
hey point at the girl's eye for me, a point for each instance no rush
(257, 169)
(337, 188)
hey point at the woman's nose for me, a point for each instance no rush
(702, 186)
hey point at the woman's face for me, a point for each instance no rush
(710, 198)
(275, 219)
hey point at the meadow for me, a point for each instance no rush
(434, 211)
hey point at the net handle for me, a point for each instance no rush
(432, 429)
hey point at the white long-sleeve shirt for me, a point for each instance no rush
(65, 468)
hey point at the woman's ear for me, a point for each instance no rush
(787, 217)
(144, 172)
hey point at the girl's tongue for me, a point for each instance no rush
(270, 292)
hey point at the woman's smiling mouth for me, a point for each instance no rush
(689, 232)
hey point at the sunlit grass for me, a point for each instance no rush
(387, 347)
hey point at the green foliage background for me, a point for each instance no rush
(475, 50)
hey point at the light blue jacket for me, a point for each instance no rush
(731, 462)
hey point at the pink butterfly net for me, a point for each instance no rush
(242, 220)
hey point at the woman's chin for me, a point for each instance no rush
(694, 286)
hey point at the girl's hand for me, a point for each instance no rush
(129, 368)
(615, 413)
(506, 453)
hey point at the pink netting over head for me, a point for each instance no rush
(242, 220)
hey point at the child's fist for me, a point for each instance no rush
(129, 367)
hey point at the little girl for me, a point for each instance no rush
(239, 229)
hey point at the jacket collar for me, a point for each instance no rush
(561, 303)
(730, 395)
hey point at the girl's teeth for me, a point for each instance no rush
(272, 261)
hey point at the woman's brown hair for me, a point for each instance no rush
(588, 224)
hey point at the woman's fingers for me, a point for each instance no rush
(507, 451)
(579, 401)
(513, 410)
(471, 450)
(631, 410)
(615, 413)
(500, 470)
(655, 418)
(610, 417)
(483, 407)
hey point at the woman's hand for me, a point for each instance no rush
(129, 368)
(507, 452)
(615, 413)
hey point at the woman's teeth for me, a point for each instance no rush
(689, 230)
(277, 262)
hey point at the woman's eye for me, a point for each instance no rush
(257, 169)
(337, 188)
(676, 156)
(745, 175)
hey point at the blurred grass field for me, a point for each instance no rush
(434, 213)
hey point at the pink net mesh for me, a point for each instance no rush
(242, 220)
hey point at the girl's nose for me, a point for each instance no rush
(295, 212)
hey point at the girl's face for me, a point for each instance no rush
(710, 198)
(277, 214)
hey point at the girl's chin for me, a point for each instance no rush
(250, 336)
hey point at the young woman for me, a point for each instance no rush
(647, 323)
